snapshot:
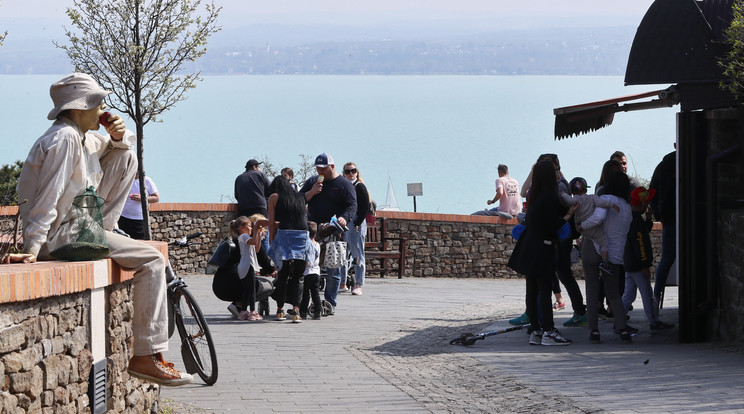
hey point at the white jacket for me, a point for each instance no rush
(60, 166)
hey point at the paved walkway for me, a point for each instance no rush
(388, 352)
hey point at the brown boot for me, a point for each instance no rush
(155, 369)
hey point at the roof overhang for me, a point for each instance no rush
(591, 116)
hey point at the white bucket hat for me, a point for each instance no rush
(75, 91)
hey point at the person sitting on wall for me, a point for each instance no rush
(507, 193)
(65, 161)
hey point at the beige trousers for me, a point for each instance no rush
(150, 319)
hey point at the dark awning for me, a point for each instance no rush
(584, 118)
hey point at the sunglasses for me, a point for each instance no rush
(351, 171)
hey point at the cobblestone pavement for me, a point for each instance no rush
(388, 351)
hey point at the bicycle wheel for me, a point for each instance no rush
(195, 336)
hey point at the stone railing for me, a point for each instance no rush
(66, 339)
(445, 245)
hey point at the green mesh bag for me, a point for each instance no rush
(90, 243)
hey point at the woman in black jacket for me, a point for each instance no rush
(535, 252)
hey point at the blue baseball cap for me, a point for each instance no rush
(323, 160)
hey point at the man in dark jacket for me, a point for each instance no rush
(664, 207)
(329, 194)
(250, 190)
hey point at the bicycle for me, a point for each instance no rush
(197, 346)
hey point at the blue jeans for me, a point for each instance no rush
(333, 280)
(637, 279)
(355, 244)
(668, 255)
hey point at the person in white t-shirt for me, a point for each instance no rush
(507, 193)
(132, 221)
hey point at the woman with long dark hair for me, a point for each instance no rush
(289, 244)
(535, 252)
(615, 225)
(357, 229)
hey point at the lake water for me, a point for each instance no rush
(447, 132)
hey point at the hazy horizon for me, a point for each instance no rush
(43, 19)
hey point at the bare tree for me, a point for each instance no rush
(136, 49)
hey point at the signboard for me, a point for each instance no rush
(415, 189)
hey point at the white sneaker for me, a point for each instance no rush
(536, 337)
(357, 291)
(342, 288)
(554, 338)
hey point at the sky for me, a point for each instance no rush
(509, 14)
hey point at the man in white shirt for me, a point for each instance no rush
(69, 158)
(507, 192)
(132, 220)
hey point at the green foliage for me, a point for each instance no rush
(733, 63)
(9, 174)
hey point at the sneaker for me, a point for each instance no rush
(296, 318)
(342, 288)
(316, 317)
(244, 315)
(233, 309)
(520, 320)
(661, 326)
(594, 337)
(559, 306)
(255, 316)
(536, 337)
(357, 291)
(280, 315)
(576, 320)
(155, 369)
(625, 337)
(631, 330)
(606, 267)
(554, 338)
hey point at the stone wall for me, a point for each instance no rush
(731, 276)
(171, 225)
(443, 245)
(45, 356)
(462, 246)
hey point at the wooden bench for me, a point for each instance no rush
(381, 245)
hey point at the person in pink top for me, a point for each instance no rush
(507, 193)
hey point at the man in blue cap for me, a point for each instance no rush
(333, 195)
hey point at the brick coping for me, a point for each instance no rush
(20, 282)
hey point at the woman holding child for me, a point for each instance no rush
(615, 224)
(289, 244)
(535, 252)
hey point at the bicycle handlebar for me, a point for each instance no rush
(185, 241)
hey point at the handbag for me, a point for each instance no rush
(335, 255)
(221, 254)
